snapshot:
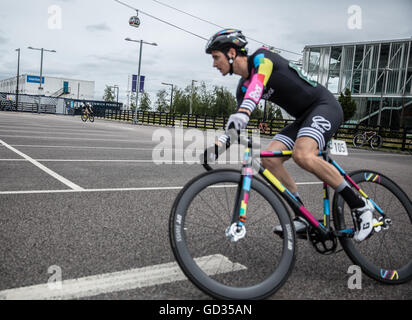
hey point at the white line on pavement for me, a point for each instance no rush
(42, 167)
(119, 160)
(74, 138)
(86, 147)
(120, 189)
(119, 281)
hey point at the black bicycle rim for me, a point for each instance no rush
(183, 233)
(386, 256)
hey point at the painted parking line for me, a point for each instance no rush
(119, 281)
(42, 167)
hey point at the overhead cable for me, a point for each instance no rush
(170, 24)
(216, 25)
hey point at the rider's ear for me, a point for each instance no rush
(232, 53)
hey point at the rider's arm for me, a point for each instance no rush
(250, 92)
(254, 88)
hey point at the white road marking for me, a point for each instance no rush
(89, 190)
(73, 138)
(119, 160)
(86, 147)
(42, 167)
(120, 189)
(119, 281)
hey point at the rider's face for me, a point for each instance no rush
(220, 62)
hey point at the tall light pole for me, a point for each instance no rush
(117, 87)
(41, 61)
(191, 98)
(171, 96)
(386, 70)
(18, 76)
(138, 75)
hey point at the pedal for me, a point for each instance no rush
(377, 225)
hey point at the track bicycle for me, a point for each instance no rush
(86, 116)
(371, 137)
(263, 127)
(230, 257)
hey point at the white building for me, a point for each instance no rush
(51, 86)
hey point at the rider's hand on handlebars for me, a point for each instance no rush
(238, 121)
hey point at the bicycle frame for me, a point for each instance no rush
(369, 135)
(240, 211)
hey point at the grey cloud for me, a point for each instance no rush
(3, 40)
(98, 27)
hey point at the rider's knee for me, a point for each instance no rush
(303, 159)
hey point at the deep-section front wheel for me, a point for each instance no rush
(255, 266)
(387, 254)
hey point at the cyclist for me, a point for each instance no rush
(266, 75)
(88, 109)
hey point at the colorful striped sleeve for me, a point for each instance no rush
(254, 92)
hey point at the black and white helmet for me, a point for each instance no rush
(226, 39)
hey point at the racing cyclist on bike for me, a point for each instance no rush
(88, 109)
(266, 75)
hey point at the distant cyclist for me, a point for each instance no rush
(266, 75)
(88, 110)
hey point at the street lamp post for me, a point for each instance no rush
(138, 75)
(171, 96)
(18, 76)
(41, 61)
(117, 99)
(386, 70)
(191, 98)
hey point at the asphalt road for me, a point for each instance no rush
(82, 200)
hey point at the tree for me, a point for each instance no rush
(161, 104)
(348, 105)
(181, 101)
(133, 101)
(215, 102)
(144, 104)
(225, 103)
(108, 94)
(203, 100)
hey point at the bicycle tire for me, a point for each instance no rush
(84, 117)
(376, 142)
(91, 118)
(184, 220)
(359, 140)
(395, 265)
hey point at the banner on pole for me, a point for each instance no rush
(134, 83)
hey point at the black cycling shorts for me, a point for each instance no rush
(320, 123)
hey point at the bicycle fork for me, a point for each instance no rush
(237, 230)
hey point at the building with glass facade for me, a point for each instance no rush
(378, 74)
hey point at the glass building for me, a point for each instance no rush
(378, 74)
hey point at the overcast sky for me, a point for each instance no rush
(90, 44)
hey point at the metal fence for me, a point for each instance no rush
(399, 139)
(29, 103)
